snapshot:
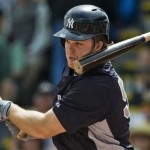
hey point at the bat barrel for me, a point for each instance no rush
(93, 60)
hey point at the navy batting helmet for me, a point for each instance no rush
(84, 22)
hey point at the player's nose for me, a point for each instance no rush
(71, 48)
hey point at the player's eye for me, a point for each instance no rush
(79, 44)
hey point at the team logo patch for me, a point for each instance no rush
(70, 23)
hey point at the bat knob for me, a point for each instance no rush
(77, 67)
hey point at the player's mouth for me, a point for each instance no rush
(71, 58)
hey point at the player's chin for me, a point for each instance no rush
(70, 64)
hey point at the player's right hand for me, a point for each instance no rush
(16, 132)
(4, 108)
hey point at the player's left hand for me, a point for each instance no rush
(16, 132)
(4, 108)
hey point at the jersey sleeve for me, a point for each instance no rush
(86, 102)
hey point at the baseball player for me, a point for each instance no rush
(91, 111)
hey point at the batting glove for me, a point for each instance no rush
(15, 132)
(4, 108)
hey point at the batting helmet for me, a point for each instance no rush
(84, 22)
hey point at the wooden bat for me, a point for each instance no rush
(93, 60)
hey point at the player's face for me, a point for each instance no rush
(78, 49)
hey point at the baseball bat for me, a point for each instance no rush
(93, 60)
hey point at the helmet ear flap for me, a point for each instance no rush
(62, 40)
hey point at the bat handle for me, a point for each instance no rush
(21, 134)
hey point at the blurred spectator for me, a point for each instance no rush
(8, 89)
(7, 86)
(5, 6)
(145, 15)
(140, 137)
(36, 144)
(41, 38)
(145, 106)
(32, 144)
(12, 60)
(137, 117)
(4, 51)
(42, 101)
(38, 51)
(5, 137)
(144, 57)
(43, 97)
(143, 85)
(144, 65)
(23, 23)
(32, 26)
(9, 73)
(128, 67)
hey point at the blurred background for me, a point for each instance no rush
(31, 60)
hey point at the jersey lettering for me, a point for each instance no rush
(124, 98)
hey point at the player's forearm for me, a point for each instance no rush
(36, 124)
(31, 122)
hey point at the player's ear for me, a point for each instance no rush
(98, 46)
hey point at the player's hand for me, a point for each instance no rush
(4, 108)
(16, 132)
